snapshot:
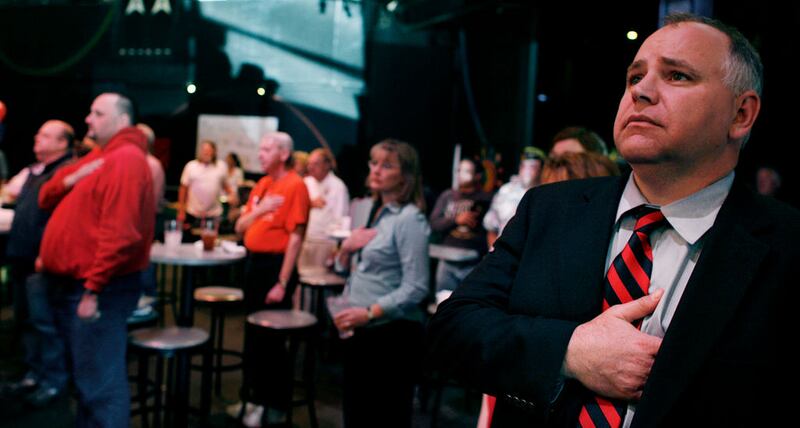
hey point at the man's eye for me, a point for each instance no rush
(634, 79)
(677, 75)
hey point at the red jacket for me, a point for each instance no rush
(103, 226)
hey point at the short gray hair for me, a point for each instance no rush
(743, 68)
(284, 141)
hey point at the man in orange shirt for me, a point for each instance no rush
(273, 223)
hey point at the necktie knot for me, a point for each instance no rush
(648, 219)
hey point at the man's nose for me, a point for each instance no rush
(645, 90)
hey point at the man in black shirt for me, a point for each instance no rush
(43, 347)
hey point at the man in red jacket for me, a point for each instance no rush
(94, 247)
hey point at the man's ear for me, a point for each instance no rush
(748, 105)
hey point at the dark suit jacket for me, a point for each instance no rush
(724, 356)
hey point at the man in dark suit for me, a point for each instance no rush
(539, 324)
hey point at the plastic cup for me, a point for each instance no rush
(337, 304)
(173, 233)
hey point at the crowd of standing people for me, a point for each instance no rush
(583, 264)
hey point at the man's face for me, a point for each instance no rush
(270, 154)
(49, 142)
(529, 172)
(206, 153)
(466, 172)
(104, 119)
(766, 181)
(317, 166)
(676, 109)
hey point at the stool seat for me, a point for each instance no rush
(322, 279)
(218, 294)
(176, 345)
(282, 319)
(168, 338)
(219, 298)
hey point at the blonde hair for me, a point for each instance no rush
(299, 159)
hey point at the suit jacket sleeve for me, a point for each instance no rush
(487, 344)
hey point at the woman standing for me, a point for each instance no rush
(235, 176)
(388, 280)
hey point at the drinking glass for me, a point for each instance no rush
(337, 304)
(173, 233)
(209, 233)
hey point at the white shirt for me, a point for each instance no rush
(676, 248)
(504, 205)
(205, 183)
(337, 204)
(235, 179)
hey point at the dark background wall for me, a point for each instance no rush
(532, 68)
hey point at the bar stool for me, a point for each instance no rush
(176, 345)
(293, 326)
(144, 387)
(219, 299)
(317, 283)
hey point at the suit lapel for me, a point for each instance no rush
(729, 261)
(589, 221)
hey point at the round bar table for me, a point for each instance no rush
(191, 257)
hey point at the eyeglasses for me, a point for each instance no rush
(383, 165)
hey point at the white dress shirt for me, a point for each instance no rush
(676, 248)
(337, 204)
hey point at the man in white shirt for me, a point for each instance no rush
(330, 203)
(504, 204)
(330, 199)
(202, 182)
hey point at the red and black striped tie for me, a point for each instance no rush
(627, 279)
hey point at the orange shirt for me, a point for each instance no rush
(270, 232)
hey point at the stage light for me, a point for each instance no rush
(632, 35)
(191, 88)
(261, 91)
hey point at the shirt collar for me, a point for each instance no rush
(691, 216)
(393, 207)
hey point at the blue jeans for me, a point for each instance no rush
(97, 348)
(149, 281)
(43, 346)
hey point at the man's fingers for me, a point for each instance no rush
(638, 308)
(91, 166)
(650, 344)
